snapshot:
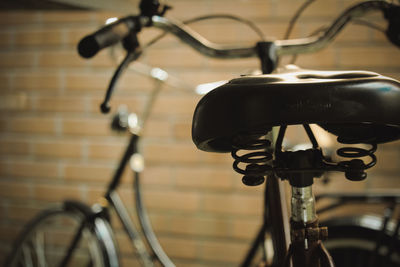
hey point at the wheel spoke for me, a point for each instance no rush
(26, 252)
(40, 248)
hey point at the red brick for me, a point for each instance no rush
(180, 247)
(223, 159)
(85, 172)
(242, 64)
(86, 127)
(14, 147)
(156, 176)
(182, 130)
(246, 228)
(14, 102)
(177, 56)
(61, 59)
(106, 150)
(32, 125)
(102, 60)
(157, 129)
(67, 16)
(231, 251)
(22, 213)
(170, 153)
(8, 17)
(133, 81)
(15, 190)
(388, 160)
(383, 181)
(3, 124)
(327, 9)
(84, 82)
(172, 200)
(37, 81)
(247, 9)
(5, 81)
(17, 59)
(233, 204)
(206, 178)
(62, 104)
(32, 169)
(39, 37)
(377, 57)
(201, 226)
(177, 105)
(58, 149)
(9, 233)
(57, 192)
(5, 39)
(322, 59)
(194, 78)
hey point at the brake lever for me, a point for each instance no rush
(131, 45)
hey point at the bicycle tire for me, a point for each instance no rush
(46, 238)
(352, 242)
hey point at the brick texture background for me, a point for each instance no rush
(55, 144)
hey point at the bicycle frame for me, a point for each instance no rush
(275, 213)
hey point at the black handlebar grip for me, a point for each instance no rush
(108, 35)
(88, 47)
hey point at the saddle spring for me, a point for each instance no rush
(355, 168)
(255, 151)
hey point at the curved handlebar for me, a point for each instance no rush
(282, 47)
(118, 30)
(267, 51)
(201, 44)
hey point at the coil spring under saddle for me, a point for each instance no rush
(355, 168)
(254, 151)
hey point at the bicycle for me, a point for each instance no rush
(306, 235)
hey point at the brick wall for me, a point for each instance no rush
(54, 143)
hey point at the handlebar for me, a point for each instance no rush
(127, 28)
(111, 34)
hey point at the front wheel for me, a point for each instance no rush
(51, 235)
(352, 242)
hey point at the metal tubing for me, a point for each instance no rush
(145, 224)
(73, 244)
(277, 218)
(130, 150)
(198, 42)
(303, 204)
(130, 229)
(283, 47)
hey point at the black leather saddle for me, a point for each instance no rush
(350, 104)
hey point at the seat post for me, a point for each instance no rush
(306, 248)
(304, 232)
(303, 204)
